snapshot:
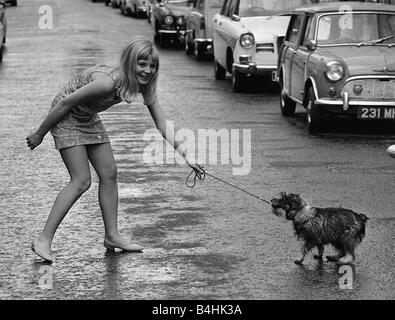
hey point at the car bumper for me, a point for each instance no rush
(205, 43)
(254, 69)
(173, 32)
(345, 103)
(141, 10)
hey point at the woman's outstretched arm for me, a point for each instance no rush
(166, 127)
(94, 90)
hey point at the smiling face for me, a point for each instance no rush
(145, 70)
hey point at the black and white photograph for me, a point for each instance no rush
(197, 150)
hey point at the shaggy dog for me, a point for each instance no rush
(344, 229)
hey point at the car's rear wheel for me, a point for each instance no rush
(133, 12)
(162, 40)
(287, 105)
(199, 51)
(315, 116)
(188, 46)
(219, 71)
(238, 81)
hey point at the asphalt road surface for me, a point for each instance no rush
(210, 242)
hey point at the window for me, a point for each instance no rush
(216, 4)
(308, 33)
(225, 7)
(233, 8)
(294, 27)
(200, 5)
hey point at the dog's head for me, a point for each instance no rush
(288, 205)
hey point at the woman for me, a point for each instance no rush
(81, 138)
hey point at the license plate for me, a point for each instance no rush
(371, 113)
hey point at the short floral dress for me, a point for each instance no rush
(82, 125)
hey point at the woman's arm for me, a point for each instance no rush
(166, 127)
(94, 90)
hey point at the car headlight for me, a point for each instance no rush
(180, 21)
(169, 20)
(247, 40)
(334, 71)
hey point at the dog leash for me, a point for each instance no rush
(202, 176)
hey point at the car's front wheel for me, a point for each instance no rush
(315, 116)
(238, 81)
(287, 105)
(219, 71)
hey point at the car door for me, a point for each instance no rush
(300, 58)
(220, 34)
(289, 50)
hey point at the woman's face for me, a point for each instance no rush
(145, 70)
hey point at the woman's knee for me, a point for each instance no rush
(109, 173)
(81, 184)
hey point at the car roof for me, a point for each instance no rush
(356, 6)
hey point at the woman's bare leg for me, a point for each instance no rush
(76, 161)
(102, 159)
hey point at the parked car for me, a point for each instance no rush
(12, 2)
(246, 37)
(199, 22)
(339, 63)
(3, 28)
(168, 21)
(134, 8)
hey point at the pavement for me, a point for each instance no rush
(209, 242)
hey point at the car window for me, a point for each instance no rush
(294, 27)
(358, 28)
(308, 33)
(215, 4)
(200, 5)
(251, 8)
(225, 7)
(233, 8)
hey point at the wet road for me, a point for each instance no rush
(210, 242)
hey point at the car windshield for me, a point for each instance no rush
(179, 3)
(251, 8)
(356, 29)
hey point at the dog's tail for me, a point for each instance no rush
(363, 217)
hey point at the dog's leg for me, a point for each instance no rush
(340, 253)
(305, 249)
(349, 248)
(320, 248)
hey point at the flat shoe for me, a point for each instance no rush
(131, 247)
(47, 257)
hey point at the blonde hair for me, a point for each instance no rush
(128, 86)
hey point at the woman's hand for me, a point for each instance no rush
(34, 140)
(198, 168)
